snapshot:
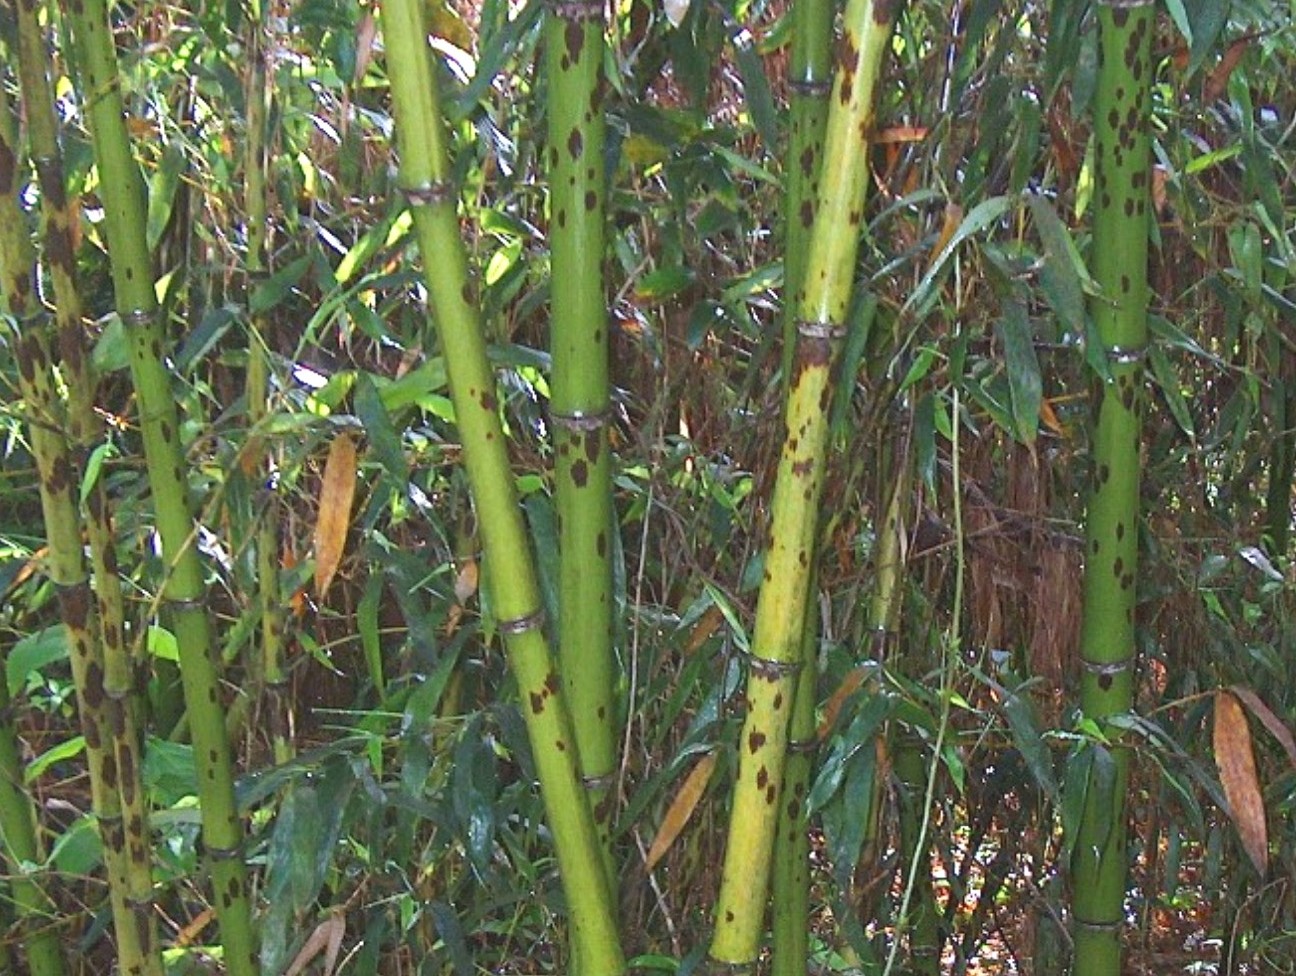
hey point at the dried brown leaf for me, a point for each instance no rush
(337, 492)
(681, 809)
(327, 938)
(1235, 759)
(1268, 719)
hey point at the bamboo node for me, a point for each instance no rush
(1125, 355)
(185, 603)
(773, 669)
(581, 420)
(520, 625)
(820, 330)
(1108, 668)
(802, 747)
(139, 317)
(577, 10)
(598, 783)
(1098, 926)
(810, 88)
(225, 853)
(428, 194)
(1125, 4)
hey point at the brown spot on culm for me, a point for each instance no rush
(755, 740)
(537, 703)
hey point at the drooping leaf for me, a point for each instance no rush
(337, 492)
(1235, 760)
(681, 809)
(1268, 719)
(1026, 386)
(33, 653)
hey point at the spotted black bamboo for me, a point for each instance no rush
(119, 672)
(1107, 649)
(809, 85)
(184, 588)
(102, 719)
(510, 573)
(776, 645)
(579, 393)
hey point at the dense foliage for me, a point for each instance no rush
(375, 666)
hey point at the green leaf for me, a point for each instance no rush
(983, 215)
(278, 286)
(162, 192)
(452, 935)
(1026, 387)
(846, 823)
(169, 771)
(1171, 389)
(62, 752)
(664, 282)
(33, 653)
(384, 441)
(1063, 275)
(201, 340)
(111, 351)
(1029, 742)
(367, 624)
(756, 89)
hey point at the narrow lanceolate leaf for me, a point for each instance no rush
(776, 651)
(1268, 719)
(1235, 760)
(681, 809)
(333, 520)
(425, 174)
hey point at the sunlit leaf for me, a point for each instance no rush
(333, 519)
(681, 809)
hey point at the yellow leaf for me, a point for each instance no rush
(1235, 759)
(681, 809)
(337, 491)
(466, 581)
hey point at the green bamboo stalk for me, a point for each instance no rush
(776, 645)
(1107, 649)
(34, 909)
(184, 589)
(120, 684)
(425, 174)
(269, 594)
(580, 397)
(791, 902)
(810, 83)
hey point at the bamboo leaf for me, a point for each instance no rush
(1025, 386)
(984, 214)
(381, 433)
(32, 653)
(1268, 719)
(681, 809)
(1235, 760)
(756, 88)
(1029, 742)
(452, 934)
(326, 939)
(337, 492)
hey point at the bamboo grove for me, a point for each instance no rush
(799, 376)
